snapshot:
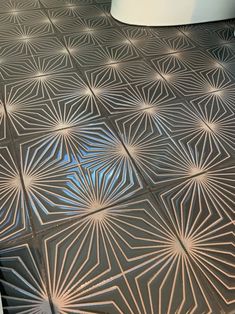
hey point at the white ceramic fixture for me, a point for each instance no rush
(171, 12)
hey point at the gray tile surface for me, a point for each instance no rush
(117, 163)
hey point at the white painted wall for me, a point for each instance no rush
(171, 12)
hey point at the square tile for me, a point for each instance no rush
(194, 59)
(192, 83)
(36, 66)
(131, 72)
(65, 3)
(25, 18)
(44, 87)
(224, 55)
(199, 209)
(152, 43)
(14, 215)
(116, 162)
(167, 158)
(102, 252)
(51, 115)
(120, 97)
(96, 36)
(4, 132)
(23, 33)
(85, 21)
(217, 120)
(27, 46)
(89, 55)
(71, 172)
(176, 40)
(23, 287)
(204, 37)
(13, 5)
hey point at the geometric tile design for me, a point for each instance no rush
(13, 5)
(155, 250)
(205, 232)
(3, 129)
(224, 55)
(151, 44)
(44, 87)
(81, 173)
(23, 288)
(52, 114)
(187, 81)
(81, 19)
(14, 220)
(90, 54)
(116, 162)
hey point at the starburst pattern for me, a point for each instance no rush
(191, 146)
(13, 5)
(199, 221)
(182, 75)
(117, 176)
(211, 34)
(44, 87)
(29, 46)
(120, 98)
(14, 220)
(3, 128)
(156, 42)
(52, 114)
(24, 287)
(60, 188)
(85, 19)
(224, 55)
(35, 24)
(87, 54)
(164, 263)
(35, 66)
(65, 3)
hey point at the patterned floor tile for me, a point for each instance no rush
(35, 66)
(132, 72)
(24, 32)
(27, 46)
(13, 5)
(28, 118)
(217, 120)
(150, 43)
(189, 82)
(88, 20)
(199, 210)
(23, 288)
(167, 160)
(26, 18)
(3, 126)
(14, 217)
(44, 87)
(29, 23)
(143, 265)
(85, 48)
(195, 60)
(118, 96)
(206, 38)
(116, 162)
(35, 57)
(93, 55)
(224, 55)
(65, 3)
(58, 188)
(97, 36)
